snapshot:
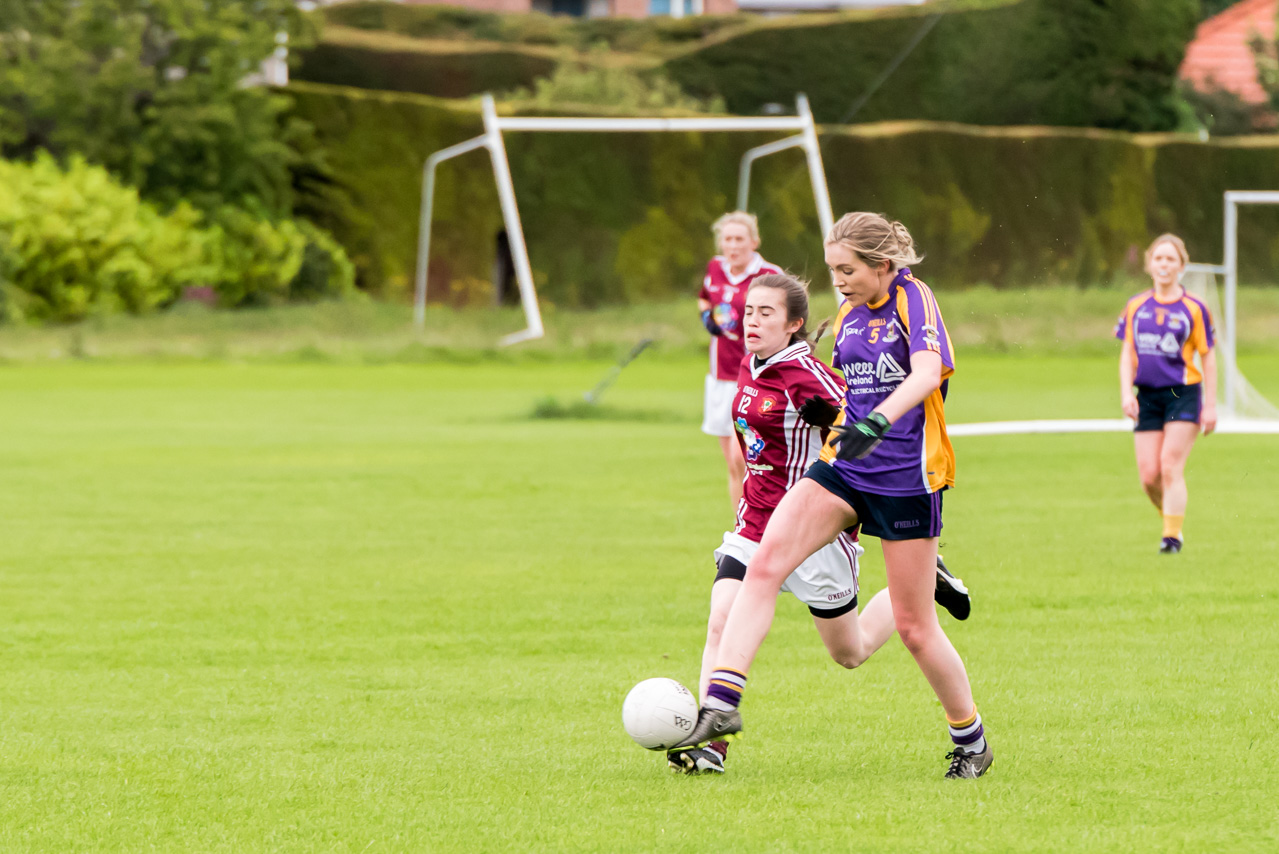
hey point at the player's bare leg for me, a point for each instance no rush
(852, 638)
(736, 468)
(723, 592)
(1178, 438)
(807, 518)
(709, 759)
(911, 567)
(1149, 447)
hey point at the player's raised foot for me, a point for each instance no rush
(969, 766)
(714, 725)
(1170, 546)
(951, 593)
(696, 760)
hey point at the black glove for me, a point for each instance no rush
(856, 442)
(709, 322)
(818, 411)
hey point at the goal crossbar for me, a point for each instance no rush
(491, 139)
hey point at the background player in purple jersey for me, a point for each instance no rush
(1162, 328)
(885, 472)
(776, 377)
(722, 302)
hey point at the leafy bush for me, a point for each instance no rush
(616, 87)
(325, 272)
(153, 90)
(76, 242)
(255, 259)
(1223, 113)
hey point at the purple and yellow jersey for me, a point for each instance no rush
(873, 346)
(1165, 336)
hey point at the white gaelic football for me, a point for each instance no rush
(659, 713)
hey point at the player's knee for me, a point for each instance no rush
(849, 659)
(915, 633)
(766, 568)
(1151, 477)
(1169, 473)
(715, 628)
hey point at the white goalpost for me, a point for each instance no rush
(1240, 407)
(491, 139)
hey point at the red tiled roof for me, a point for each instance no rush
(1220, 57)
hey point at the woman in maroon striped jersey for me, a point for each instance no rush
(774, 379)
(722, 301)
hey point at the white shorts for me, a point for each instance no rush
(824, 582)
(717, 407)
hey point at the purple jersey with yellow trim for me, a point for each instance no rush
(873, 346)
(727, 295)
(1165, 336)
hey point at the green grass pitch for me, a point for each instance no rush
(379, 608)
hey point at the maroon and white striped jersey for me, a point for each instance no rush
(727, 295)
(777, 444)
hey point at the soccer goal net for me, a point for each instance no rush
(1237, 399)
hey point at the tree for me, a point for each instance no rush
(1208, 8)
(153, 90)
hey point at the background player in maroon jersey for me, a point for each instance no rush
(892, 347)
(776, 377)
(1162, 328)
(722, 302)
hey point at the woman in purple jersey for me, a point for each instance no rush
(1162, 328)
(885, 472)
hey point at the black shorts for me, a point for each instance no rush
(889, 517)
(1158, 406)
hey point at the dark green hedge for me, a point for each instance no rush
(532, 28)
(1085, 63)
(444, 75)
(626, 217)
(1078, 63)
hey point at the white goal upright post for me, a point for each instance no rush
(491, 139)
(1238, 403)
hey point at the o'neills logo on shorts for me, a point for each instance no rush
(913, 523)
(835, 597)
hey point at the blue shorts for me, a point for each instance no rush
(889, 517)
(1158, 406)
